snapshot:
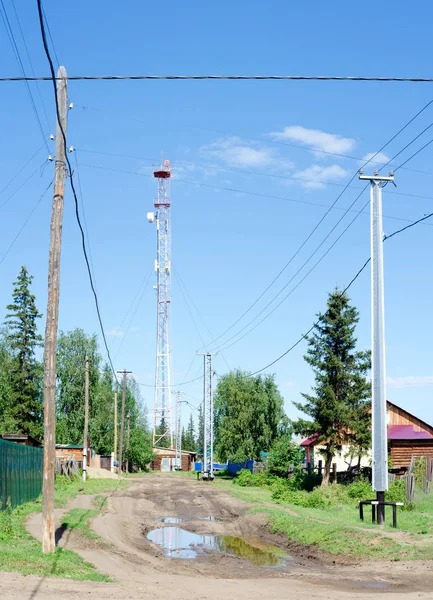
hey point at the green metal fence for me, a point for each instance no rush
(21, 469)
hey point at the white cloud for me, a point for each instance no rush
(381, 158)
(317, 176)
(287, 384)
(237, 153)
(316, 139)
(116, 332)
(410, 381)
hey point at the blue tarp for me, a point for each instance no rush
(216, 466)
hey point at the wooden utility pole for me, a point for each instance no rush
(50, 348)
(86, 419)
(122, 419)
(115, 428)
(127, 441)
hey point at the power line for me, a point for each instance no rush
(21, 169)
(133, 316)
(238, 339)
(306, 148)
(304, 336)
(284, 198)
(258, 194)
(273, 141)
(415, 154)
(172, 385)
(182, 283)
(30, 62)
(229, 77)
(71, 179)
(143, 283)
(23, 184)
(25, 222)
(84, 215)
(47, 25)
(15, 49)
(188, 308)
(318, 225)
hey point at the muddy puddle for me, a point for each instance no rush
(177, 520)
(179, 543)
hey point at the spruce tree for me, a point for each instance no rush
(190, 435)
(338, 409)
(26, 372)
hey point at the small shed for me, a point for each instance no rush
(188, 459)
(69, 452)
(22, 439)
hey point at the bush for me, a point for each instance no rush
(246, 478)
(360, 489)
(396, 491)
(284, 453)
(301, 480)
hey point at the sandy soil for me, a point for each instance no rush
(142, 571)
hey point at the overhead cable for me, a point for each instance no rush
(229, 77)
(295, 254)
(304, 336)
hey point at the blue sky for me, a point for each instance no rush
(227, 245)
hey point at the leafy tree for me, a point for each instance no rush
(101, 413)
(26, 406)
(72, 349)
(341, 393)
(140, 452)
(284, 453)
(138, 449)
(249, 415)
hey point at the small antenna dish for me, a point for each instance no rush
(151, 217)
(166, 163)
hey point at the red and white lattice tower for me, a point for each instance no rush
(162, 426)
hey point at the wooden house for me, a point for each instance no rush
(408, 436)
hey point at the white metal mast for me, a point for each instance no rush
(178, 461)
(378, 375)
(162, 426)
(208, 417)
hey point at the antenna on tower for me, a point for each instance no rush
(162, 425)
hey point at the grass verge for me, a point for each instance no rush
(338, 529)
(20, 552)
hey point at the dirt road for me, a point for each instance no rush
(142, 571)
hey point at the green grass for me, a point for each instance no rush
(20, 552)
(338, 529)
(78, 519)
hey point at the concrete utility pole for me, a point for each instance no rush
(378, 374)
(127, 441)
(86, 419)
(50, 346)
(115, 427)
(122, 419)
